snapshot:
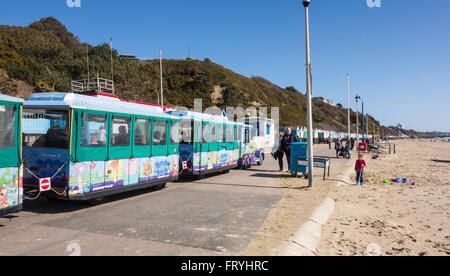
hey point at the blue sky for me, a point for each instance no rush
(398, 55)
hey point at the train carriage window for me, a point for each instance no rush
(187, 132)
(46, 128)
(159, 133)
(93, 130)
(230, 134)
(224, 134)
(120, 128)
(205, 134)
(199, 133)
(239, 134)
(175, 133)
(254, 131)
(142, 132)
(7, 126)
(247, 136)
(214, 133)
(220, 135)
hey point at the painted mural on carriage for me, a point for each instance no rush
(11, 169)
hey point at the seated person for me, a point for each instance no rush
(156, 138)
(40, 142)
(123, 138)
(185, 137)
(139, 138)
(94, 140)
(57, 137)
(101, 134)
(373, 147)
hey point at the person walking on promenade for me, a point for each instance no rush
(285, 147)
(337, 146)
(278, 154)
(359, 168)
(348, 147)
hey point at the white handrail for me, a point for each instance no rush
(98, 85)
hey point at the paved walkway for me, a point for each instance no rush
(213, 216)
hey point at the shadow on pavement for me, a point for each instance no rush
(256, 170)
(55, 206)
(272, 175)
(251, 186)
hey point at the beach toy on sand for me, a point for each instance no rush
(413, 183)
(398, 180)
(405, 180)
(385, 182)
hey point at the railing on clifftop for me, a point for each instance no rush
(96, 85)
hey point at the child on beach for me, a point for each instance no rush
(359, 168)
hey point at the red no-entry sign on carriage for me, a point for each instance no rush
(45, 184)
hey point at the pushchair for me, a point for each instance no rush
(343, 152)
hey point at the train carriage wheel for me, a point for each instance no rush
(159, 187)
(97, 201)
(261, 161)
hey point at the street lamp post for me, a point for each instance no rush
(308, 99)
(357, 121)
(161, 76)
(348, 105)
(363, 117)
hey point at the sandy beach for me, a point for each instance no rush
(375, 219)
(395, 218)
(295, 208)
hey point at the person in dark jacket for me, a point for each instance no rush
(57, 137)
(285, 147)
(337, 146)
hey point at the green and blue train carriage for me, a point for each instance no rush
(208, 143)
(11, 189)
(90, 147)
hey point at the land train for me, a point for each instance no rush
(250, 151)
(11, 170)
(86, 147)
(89, 147)
(210, 143)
